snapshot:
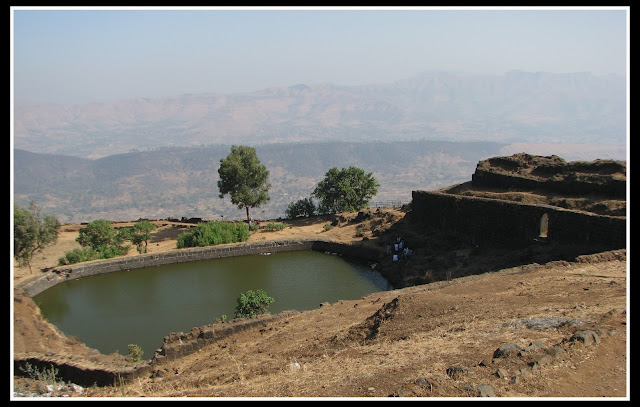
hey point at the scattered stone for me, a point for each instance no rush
(485, 362)
(556, 352)
(468, 388)
(458, 372)
(524, 371)
(533, 346)
(507, 350)
(542, 323)
(544, 360)
(501, 373)
(514, 380)
(159, 373)
(486, 390)
(424, 383)
(587, 337)
(50, 390)
(602, 332)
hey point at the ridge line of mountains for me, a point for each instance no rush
(158, 158)
(510, 108)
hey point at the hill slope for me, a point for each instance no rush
(182, 182)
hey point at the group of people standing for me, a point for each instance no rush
(398, 250)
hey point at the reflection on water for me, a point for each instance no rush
(110, 311)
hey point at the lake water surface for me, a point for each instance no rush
(141, 306)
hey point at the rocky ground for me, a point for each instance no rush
(542, 329)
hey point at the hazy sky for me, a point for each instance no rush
(73, 56)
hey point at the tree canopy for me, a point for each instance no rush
(31, 232)
(302, 207)
(98, 234)
(244, 178)
(345, 190)
(140, 233)
(102, 237)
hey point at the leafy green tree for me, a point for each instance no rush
(102, 237)
(32, 232)
(244, 178)
(253, 303)
(345, 190)
(302, 207)
(140, 233)
(97, 234)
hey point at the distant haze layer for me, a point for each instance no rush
(522, 108)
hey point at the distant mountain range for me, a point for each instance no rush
(176, 182)
(517, 107)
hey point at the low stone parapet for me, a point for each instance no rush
(179, 344)
(86, 269)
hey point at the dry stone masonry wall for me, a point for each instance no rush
(552, 173)
(489, 222)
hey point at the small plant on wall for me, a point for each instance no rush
(135, 353)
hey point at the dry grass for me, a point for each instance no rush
(368, 348)
(316, 354)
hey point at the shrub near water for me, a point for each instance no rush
(212, 233)
(78, 256)
(274, 227)
(252, 303)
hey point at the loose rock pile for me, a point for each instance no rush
(510, 363)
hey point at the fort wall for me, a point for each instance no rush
(490, 222)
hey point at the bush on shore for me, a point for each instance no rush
(212, 233)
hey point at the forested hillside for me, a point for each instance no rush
(182, 182)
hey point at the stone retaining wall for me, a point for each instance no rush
(490, 222)
(74, 271)
(179, 344)
(578, 185)
(78, 373)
